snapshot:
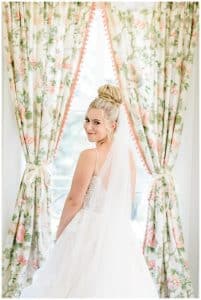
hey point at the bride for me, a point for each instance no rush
(96, 253)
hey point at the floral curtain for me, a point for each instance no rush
(44, 46)
(152, 51)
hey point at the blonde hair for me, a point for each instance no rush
(109, 100)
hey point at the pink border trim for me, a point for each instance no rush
(115, 68)
(76, 76)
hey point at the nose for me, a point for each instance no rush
(88, 127)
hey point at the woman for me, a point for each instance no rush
(96, 253)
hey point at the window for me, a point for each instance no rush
(98, 61)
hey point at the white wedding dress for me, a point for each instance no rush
(121, 271)
(98, 254)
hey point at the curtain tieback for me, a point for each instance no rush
(164, 173)
(37, 165)
(43, 168)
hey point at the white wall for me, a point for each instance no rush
(11, 156)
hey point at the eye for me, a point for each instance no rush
(86, 120)
(97, 123)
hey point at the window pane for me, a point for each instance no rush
(94, 73)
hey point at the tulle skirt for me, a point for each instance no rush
(87, 262)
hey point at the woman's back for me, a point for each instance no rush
(98, 254)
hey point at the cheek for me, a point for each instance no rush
(101, 131)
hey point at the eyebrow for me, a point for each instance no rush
(92, 119)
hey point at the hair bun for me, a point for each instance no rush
(110, 93)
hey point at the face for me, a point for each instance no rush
(96, 126)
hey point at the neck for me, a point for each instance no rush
(103, 143)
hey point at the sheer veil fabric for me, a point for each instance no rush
(97, 255)
(114, 186)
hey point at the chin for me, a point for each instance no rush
(90, 139)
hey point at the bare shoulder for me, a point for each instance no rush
(88, 154)
(86, 161)
(82, 175)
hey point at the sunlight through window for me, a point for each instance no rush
(96, 70)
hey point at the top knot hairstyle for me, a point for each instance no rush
(109, 99)
(110, 93)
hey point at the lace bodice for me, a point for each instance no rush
(93, 201)
(90, 191)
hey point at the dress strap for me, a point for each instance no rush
(95, 170)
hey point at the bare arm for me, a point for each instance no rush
(80, 183)
(133, 172)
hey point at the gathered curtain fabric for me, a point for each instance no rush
(44, 46)
(152, 50)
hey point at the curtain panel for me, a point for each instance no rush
(152, 52)
(44, 47)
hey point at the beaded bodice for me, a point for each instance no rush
(90, 190)
(93, 201)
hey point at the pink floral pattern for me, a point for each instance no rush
(21, 260)
(20, 233)
(152, 60)
(42, 70)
